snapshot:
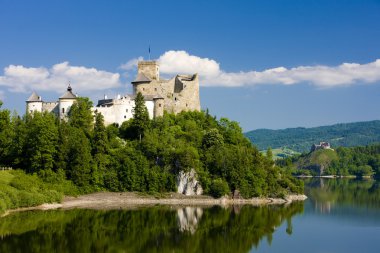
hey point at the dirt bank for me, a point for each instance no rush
(130, 200)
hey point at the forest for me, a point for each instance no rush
(300, 139)
(361, 161)
(81, 155)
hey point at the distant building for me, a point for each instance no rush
(181, 93)
(321, 145)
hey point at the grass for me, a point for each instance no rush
(5, 177)
(18, 189)
(279, 153)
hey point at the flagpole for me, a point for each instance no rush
(149, 52)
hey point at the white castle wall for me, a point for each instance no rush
(121, 110)
(34, 106)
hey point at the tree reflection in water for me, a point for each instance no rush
(157, 229)
(329, 193)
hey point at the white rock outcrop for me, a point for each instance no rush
(188, 184)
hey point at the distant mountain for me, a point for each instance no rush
(300, 139)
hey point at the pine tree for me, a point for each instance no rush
(140, 115)
(100, 139)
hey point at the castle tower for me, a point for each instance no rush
(34, 103)
(150, 69)
(148, 76)
(65, 102)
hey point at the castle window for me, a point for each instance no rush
(186, 105)
(159, 105)
(143, 88)
(125, 116)
(126, 110)
(175, 99)
(63, 110)
(155, 89)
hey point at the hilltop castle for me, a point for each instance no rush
(180, 93)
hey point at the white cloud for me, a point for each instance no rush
(23, 79)
(173, 62)
(1, 95)
(131, 64)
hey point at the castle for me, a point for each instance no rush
(321, 145)
(180, 93)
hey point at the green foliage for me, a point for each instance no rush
(142, 155)
(42, 136)
(219, 188)
(300, 139)
(212, 138)
(22, 190)
(80, 115)
(6, 134)
(140, 120)
(353, 161)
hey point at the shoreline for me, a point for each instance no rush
(132, 200)
(333, 176)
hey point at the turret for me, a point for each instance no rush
(65, 102)
(158, 106)
(34, 103)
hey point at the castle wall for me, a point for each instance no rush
(121, 110)
(52, 107)
(180, 93)
(34, 106)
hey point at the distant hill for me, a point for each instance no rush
(300, 139)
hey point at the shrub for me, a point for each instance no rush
(219, 188)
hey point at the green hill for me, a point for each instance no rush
(317, 161)
(300, 139)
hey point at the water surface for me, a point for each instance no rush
(341, 215)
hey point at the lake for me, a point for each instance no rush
(341, 215)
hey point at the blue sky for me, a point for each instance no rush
(265, 64)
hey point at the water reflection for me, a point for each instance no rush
(188, 218)
(329, 193)
(216, 229)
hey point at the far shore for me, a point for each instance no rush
(332, 176)
(132, 200)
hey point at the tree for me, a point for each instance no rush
(79, 159)
(80, 115)
(140, 115)
(41, 147)
(100, 146)
(212, 137)
(6, 132)
(100, 139)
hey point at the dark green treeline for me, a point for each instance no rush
(140, 155)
